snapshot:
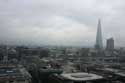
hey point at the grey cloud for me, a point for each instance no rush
(42, 22)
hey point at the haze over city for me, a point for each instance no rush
(62, 41)
(61, 22)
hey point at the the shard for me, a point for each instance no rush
(99, 44)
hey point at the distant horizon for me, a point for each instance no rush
(104, 47)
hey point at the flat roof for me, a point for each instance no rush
(121, 74)
(111, 69)
(8, 72)
(81, 76)
(116, 71)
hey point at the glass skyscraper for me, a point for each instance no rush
(99, 44)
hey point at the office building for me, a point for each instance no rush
(99, 44)
(110, 44)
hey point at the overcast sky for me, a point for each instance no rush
(61, 22)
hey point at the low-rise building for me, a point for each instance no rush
(10, 73)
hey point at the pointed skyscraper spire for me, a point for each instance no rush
(99, 44)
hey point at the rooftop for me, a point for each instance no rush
(81, 76)
(13, 72)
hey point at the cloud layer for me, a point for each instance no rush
(60, 22)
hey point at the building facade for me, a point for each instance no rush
(99, 44)
(110, 44)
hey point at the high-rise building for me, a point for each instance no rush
(99, 44)
(110, 44)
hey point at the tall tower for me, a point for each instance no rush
(99, 44)
(110, 44)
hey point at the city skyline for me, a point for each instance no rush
(60, 22)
